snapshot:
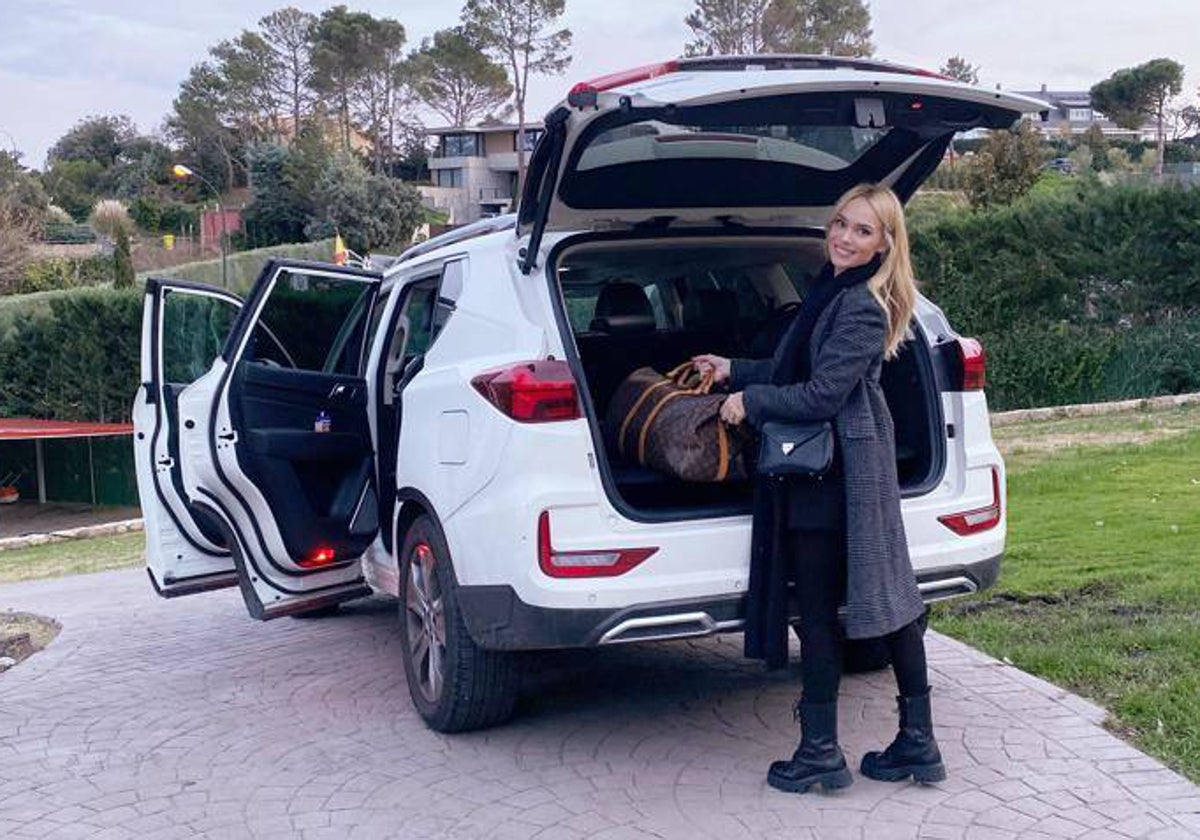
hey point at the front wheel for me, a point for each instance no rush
(455, 685)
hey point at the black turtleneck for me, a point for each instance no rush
(795, 363)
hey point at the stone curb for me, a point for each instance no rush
(1009, 418)
(106, 529)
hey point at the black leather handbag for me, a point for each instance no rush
(787, 449)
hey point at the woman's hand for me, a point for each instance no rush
(733, 410)
(716, 366)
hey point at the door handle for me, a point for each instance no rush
(343, 392)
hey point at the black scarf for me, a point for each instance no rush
(795, 363)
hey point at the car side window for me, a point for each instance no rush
(194, 328)
(319, 322)
(449, 290)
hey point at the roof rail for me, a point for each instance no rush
(508, 221)
(788, 61)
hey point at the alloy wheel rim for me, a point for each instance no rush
(426, 623)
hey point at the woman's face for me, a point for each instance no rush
(854, 236)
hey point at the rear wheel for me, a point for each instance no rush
(455, 684)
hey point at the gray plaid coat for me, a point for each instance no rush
(847, 355)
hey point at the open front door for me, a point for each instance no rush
(277, 442)
(184, 326)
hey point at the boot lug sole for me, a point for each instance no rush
(833, 780)
(925, 774)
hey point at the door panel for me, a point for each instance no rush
(313, 480)
(280, 440)
(183, 328)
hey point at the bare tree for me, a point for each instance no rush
(16, 236)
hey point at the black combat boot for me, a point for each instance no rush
(818, 759)
(914, 752)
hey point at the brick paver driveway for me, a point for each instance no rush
(149, 718)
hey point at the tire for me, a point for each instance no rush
(456, 686)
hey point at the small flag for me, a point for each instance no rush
(339, 250)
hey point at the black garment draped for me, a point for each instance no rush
(800, 503)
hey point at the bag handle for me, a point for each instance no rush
(688, 376)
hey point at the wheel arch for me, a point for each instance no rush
(411, 504)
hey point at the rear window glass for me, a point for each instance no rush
(823, 147)
(788, 150)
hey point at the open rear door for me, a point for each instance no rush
(770, 141)
(277, 443)
(184, 326)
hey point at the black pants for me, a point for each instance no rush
(818, 563)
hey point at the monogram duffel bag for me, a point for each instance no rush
(671, 424)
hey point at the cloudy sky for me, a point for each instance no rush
(62, 60)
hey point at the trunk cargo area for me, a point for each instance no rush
(655, 302)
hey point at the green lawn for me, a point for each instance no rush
(1099, 591)
(72, 557)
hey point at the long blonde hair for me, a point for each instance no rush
(893, 286)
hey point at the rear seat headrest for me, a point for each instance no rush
(623, 308)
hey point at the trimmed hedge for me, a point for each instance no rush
(244, 266)
(73, 354)
(70, 355)
(1081, 293)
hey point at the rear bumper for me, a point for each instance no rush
(498, 619)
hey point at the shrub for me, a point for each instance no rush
(65, 273)
(370, 211)
(16, 236)
(146, 212)
(1080, 291)
(55, 215)
(155, 216)
(109, 216)
(123, 274)
(1005, 167)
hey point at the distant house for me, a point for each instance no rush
(474, 170)
(1071, 112)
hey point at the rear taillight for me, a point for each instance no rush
(974, 364)
(980, 519)
(532, 392)
(603, 562)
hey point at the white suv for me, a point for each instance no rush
(433, 430)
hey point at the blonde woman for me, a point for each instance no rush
(839, 538)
